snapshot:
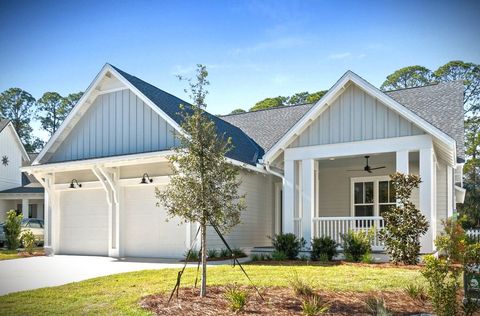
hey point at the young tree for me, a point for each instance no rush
(12, 229)
(17, 106)
(404, 223)
(204, 186)
(408, 77)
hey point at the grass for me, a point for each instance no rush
(120, 294)
(14, 254)
(8, 254)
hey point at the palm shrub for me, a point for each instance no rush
(289, 244)
(357, 244)
(323, 248)
(404, 223)
(12, 229)
(236, 297)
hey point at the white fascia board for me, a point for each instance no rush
(19, 196)
(88, 93)
(376, 146)
(19, 141)
(330, 97)
(123, 160)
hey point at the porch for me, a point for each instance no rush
(327, 189)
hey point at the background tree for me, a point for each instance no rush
(314, 97)
(298, 98)
(17, 106)
(69, 102)
(469, 74)
(269, 103)
(204, 186)
(238, 111)
(408, 77)
(53, 109)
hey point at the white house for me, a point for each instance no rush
(18, 191)
(303, 167)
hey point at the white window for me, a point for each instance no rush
(371, 196)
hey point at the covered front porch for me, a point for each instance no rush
(327, 189)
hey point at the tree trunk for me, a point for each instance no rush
(203, 286)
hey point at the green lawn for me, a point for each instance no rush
(120, 294)
(8, 254)
(15, 254)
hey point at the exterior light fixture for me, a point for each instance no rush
(146, 179)
(72, 184)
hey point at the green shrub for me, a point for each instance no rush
(238, 252)
(404, 223)
(444, 283)
(279, 256)
(416, 291)
(12, 229)
(212, 253)
(357, 244)
(304, 257)
(28, 240)
(376, 307)
(194, 255)
(367, 258)
(260, 257)
(289, 244)
(236, 297)
(323, 246)
(313, 306)
(300, 286)
(452, 242)
(224, 253)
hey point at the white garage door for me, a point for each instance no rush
(84, 222)
(147, 234)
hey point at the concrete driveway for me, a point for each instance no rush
(37, 272)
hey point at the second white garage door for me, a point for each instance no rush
(147, 233)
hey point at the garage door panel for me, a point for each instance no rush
(147, 232)
(84, 222)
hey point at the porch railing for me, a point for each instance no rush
(334, 227)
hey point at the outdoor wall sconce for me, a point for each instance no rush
(72, 184)
(146, 178)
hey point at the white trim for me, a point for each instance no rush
(91, 91)
(330, 97)
(376, 193)
(19, 196)
(18, 140)
(376, 146)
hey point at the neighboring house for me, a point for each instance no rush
(18, 191)
(295, 165)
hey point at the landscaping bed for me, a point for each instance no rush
(278, 301)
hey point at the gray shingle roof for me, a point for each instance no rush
(266, 127)
(440, 104)
(245, 149)
(24, 190)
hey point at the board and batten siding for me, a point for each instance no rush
(257, 220)
(10, 175)
(355, 116)
(117, 123)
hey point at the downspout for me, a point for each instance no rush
(267, 167)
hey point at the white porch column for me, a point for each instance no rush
(402, 161)
(288, 196)
(427, 196)
(25, 208)
(308, 198)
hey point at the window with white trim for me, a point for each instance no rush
(371, 196)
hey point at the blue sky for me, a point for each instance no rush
(253, 49)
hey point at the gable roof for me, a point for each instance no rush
(421, 107)
(3, 124)
(245, 150)
(439, 104)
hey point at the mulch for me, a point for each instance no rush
(278, 301)
(25, 254)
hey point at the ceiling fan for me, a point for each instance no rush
(367, 168)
